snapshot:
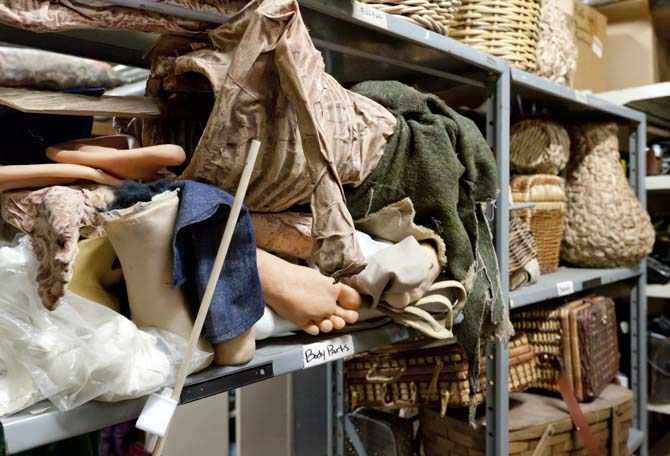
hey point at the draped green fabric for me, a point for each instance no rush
(440, 160)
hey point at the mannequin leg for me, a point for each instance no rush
(142, 238)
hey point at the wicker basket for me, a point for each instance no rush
(546, 219)
(606, 226)
(556, 51)
(538, 147)
(522, 250)
(530, 415)
(435, 15)
(503, 28)
(437, 376)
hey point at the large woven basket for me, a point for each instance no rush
(503, 28)
(606, 226)
(546, 218)
(435, 15)
(538, 147)
(609, 419)
(436, 376)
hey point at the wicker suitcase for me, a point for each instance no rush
(583, 334)
(531, 417)
(437, 376)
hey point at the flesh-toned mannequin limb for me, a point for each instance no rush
(305, 297)
(119, 156)
(33, 176)
(142, 238)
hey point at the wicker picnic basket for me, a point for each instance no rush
(606, 226)
(503, 28)
(532, 417)
(546, 218)
(436, 376)
(583, 335)
(435, 15)
(538, 146)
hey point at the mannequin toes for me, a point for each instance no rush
(311, 329)
(348, 298)
(326, 325)
(338, 322)
(349, 316)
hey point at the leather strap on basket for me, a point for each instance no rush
(573, 405)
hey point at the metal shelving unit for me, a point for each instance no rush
(351, 36)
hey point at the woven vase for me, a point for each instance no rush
(435, 15)
(503, 28)
(538, 147)
(606, 227)
(556, 53)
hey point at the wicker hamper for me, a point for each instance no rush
(435, 15)
(530, 415)
(546, 219)
(503, 28)
(437, 376)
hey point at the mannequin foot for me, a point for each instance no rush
(118, 156)
(305, 297)
(236, 351)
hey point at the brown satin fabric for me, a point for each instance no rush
(58, 15)
(270, 83)
(55, 217)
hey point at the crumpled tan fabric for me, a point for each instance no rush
(59, 15)
(270, 84)
(55, 218)
(395, 222)
(288, 233)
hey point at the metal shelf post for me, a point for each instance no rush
(497, 356)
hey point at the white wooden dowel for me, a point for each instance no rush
(213, 277)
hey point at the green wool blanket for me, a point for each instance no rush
(440, 160)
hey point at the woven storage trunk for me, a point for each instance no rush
(583, 334)
(538, 146)
(546, 219)
(437, 376)
(606, 226)
(435, 15)
(609, 419)
(503, 28)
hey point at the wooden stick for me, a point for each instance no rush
(213, 278)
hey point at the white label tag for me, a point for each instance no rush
(326, 351)
(597, 47)
(370, 14)
(581, 96)
(565, 288)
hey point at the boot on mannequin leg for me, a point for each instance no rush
(142, 238)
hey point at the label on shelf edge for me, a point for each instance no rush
(565, 288)
(370, 14)
(327, 350)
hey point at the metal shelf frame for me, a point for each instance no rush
(350, 40)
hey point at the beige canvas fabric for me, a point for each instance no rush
(270, 84)
(50, 15)
(55, 217)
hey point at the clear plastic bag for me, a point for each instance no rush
(81, 350)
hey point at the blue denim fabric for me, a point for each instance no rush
(238, 300)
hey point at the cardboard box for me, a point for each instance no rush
(633, 57)
(590, 30)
